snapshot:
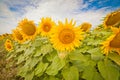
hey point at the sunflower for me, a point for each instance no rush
(113, 42)
(112, 19)
(45, 26)
(85, 26)
(27, 29)
(8, 45)
(9, 41)
(66, 36)
(1, 37)
(17, 36)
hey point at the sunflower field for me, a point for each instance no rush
(61, 51)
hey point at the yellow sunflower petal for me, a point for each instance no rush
(45, 26)
(27, 28)
(66, 36)
(85, 26)
(8, 45)
(17, 36)
(115, 30)
(112, 43)
(112, 19)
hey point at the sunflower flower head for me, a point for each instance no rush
(66, 36)
(85, 26)
(17, 36)
(45, 26)
(8, 40)
(112, 19)
(1, 37)
(27, 28)
(112, 43)
(8, 45)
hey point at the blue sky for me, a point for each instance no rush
(92, 11)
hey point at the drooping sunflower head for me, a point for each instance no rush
(27, 28)
(45, 26)
(66, 36)
(17, 36)
(8, 45)
(85, 26)
(1, 37)
(113, 42)
(112, 19)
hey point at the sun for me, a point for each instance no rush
(85, 26)
(66, 36)
(113, 42)
(17, 36)
(27, 28)
(8, 45)
(112, 19)
(45, 26)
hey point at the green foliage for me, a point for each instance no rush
(108, 70)
(90, 73)
(41, 67)
(56, 65)
(70, 73)
(38, 60)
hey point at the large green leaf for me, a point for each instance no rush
(29, 51)
(108, 70)
(50, 78)
(51, 55)
(38, 52)
(41, 67)
(21, 58)
(31, 62)
(71, 73)
(90, 73)
(56, 65)
(96, 54)
(37, 42)
(29, 75)
(43, 50)
(22, 70)
(76, 55)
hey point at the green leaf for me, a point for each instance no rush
(115, 57)
(108, 70)
(20, 49)
(76, 55)
(56, 65)
(46, 49)
(90, 73)
(79, 64)
(43, 50)
(71, 73)
(29, 75)
(29, 51)
(51, 55)
(37, 42)
(50, 78)
(94, 50)
(38, 52)
(22, 71)
(31, 62)
(21, 58)
(41, 67)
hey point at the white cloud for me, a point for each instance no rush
(57, 9)
(92, 16)
(61, 9)
(7, 19)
